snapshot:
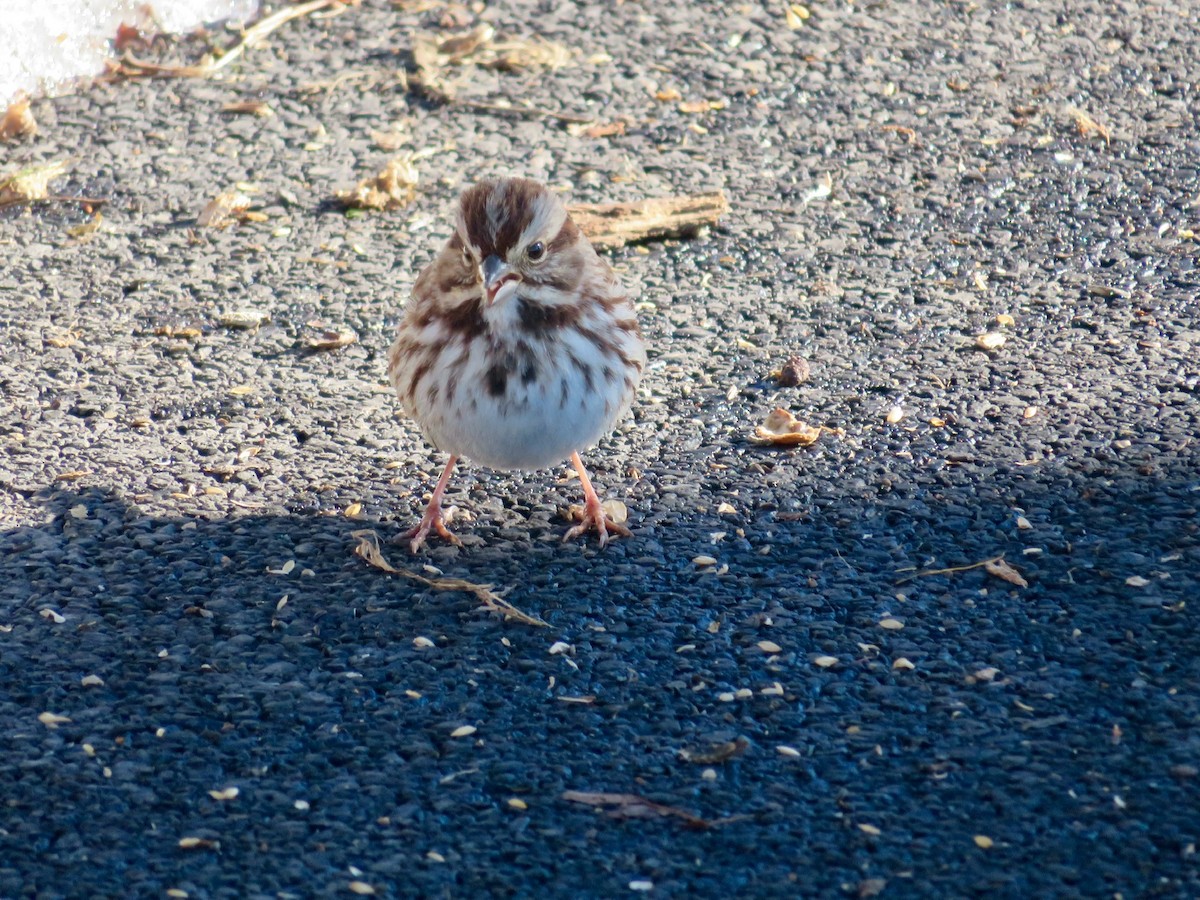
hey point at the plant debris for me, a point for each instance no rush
(1087, 126)
(227, 208)
(1002, 570)
(783, 429)
(393, 188)
(332, 339)
(258, 108)
(18, 120)
(794, 372)
(633, 806)
(718, 753)
(129, 66)
(993, 566)
(30, 184)
(432, 55)
(612, 225)
(368, 550)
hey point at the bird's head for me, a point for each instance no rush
(516, 236)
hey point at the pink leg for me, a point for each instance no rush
(433, 513)
(593, 513)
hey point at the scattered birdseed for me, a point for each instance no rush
(769, 647)
(785, 750)
(463, 731)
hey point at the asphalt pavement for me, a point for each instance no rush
(950, 649)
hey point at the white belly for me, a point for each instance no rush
(530, 424)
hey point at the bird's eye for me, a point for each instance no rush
(536, 251)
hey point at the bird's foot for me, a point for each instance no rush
(592, 515)
(433, 520)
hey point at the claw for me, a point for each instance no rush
(433, 518)
(593, 512)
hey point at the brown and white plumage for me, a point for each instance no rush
(518, 347)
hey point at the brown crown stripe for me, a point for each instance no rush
(515, 198)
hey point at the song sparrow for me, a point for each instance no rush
(518, 347)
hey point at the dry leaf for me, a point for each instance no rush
(243, 319)
(1003, 570)
(91, 226)
(783, 429)
(632, 806)
(393, 188)
(28, 185)
(227, 208)
(18, 120)
(368, 550)
(1086, 125)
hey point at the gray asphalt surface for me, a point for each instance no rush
(1004, 741)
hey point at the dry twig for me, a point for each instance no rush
(368, 549)
(612, 225)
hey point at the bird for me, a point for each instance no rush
(518, 347)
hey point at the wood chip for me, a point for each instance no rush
(73, 475)
(333, 339)
(368, 550)
(198, 843)
(249, 108)
(612, 225)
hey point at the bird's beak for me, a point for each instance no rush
(496, 273)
